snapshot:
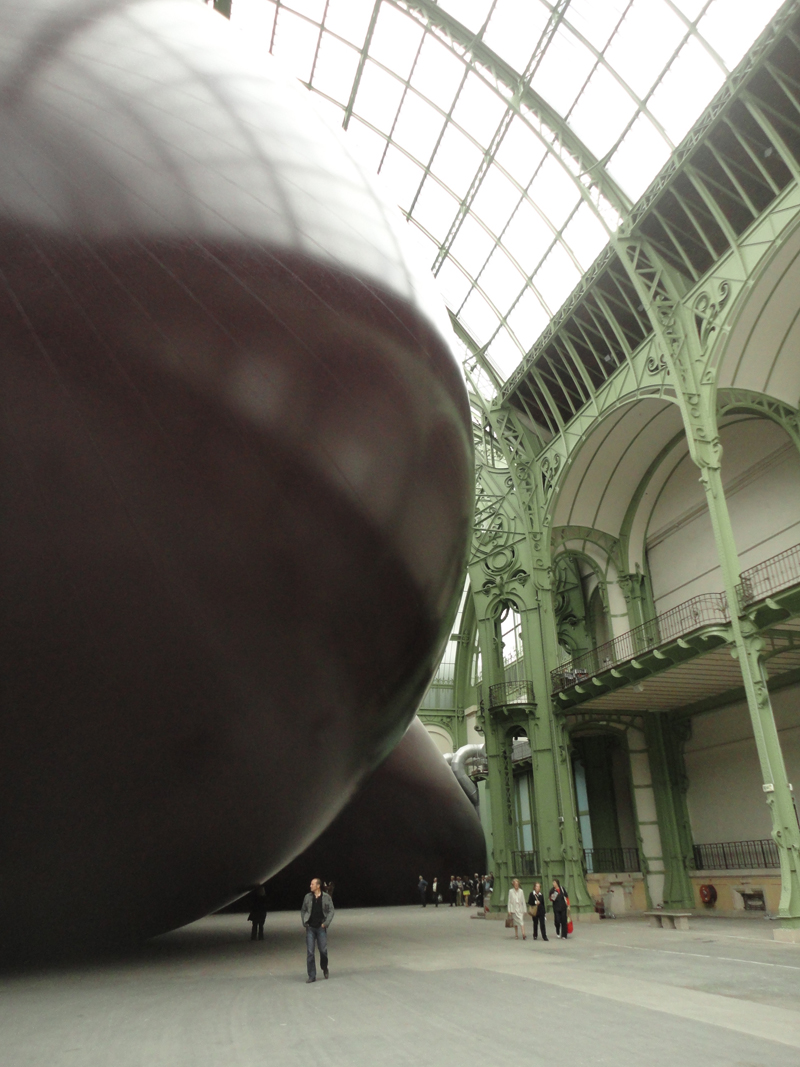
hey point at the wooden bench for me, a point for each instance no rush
(669, 920)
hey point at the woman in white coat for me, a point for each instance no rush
(516, 908)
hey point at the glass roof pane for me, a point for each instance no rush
(514, 30)
(366, 145)
(479, 318)
(472, 246)
(553, 192)
(438, 73)
(471, 13)
(495, 200)
(378, 97)
(335, 68)
(435, 209)
(418, 127)
(479, 109)
(596, 22)
(505, 353)
(255, 18)
(585, 235)
(333, 112)
(296, 42)
(528, 319)
(688, 85)
(456, 160)
(596, 94)
(563, 71)
(528, 237)
(349, 20)
(500, 280)
(402, 176)
(602, 112)
(690, 8)
(520, 151)
(395, 40)
(312, 9)
(639, 158)
(556, 278)
(453, 283)
(644, 44)
(423, 248)
(731, 26)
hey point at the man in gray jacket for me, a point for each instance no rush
(317, 916)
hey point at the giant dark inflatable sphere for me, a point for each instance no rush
(236, 471)
(410, 817)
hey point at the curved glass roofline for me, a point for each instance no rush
(515, 135)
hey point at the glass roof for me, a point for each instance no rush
(513, 134)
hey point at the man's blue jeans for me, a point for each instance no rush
(316, 935)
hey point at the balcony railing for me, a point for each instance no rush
(736, 855)
(478, 766)
(768, 577)
(703, 610)
(519, 692)
(611, 860)
(525, 864)
(520, 750)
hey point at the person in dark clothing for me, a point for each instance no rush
(558, 898)
(258, 912)
(536, 900)
(453, 891)
(422, 887)
(317, 915)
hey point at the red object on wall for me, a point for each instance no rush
(708, 894)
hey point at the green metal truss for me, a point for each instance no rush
(682, 318)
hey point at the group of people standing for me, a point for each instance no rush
(466, 891)
(537, 909)
(317, 911)
(462, 890)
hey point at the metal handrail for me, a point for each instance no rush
(737, 855)
(525, 864)
(703, 610)
(521, 750)
(479, 765)
(611, 860)
(771, 575)
(517, 692)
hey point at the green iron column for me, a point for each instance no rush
(686, 336)
(637, 596)
(671, 813)
(463, 689)
(749, 646)
(499, 779)
(561, 853)
(558, 831)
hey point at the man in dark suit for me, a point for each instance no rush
(536, 899)
(422, 887)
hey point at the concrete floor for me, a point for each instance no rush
(410, 986)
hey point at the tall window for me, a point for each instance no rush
(511, 644)
(524, 820)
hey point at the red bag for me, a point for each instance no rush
(569, 926)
